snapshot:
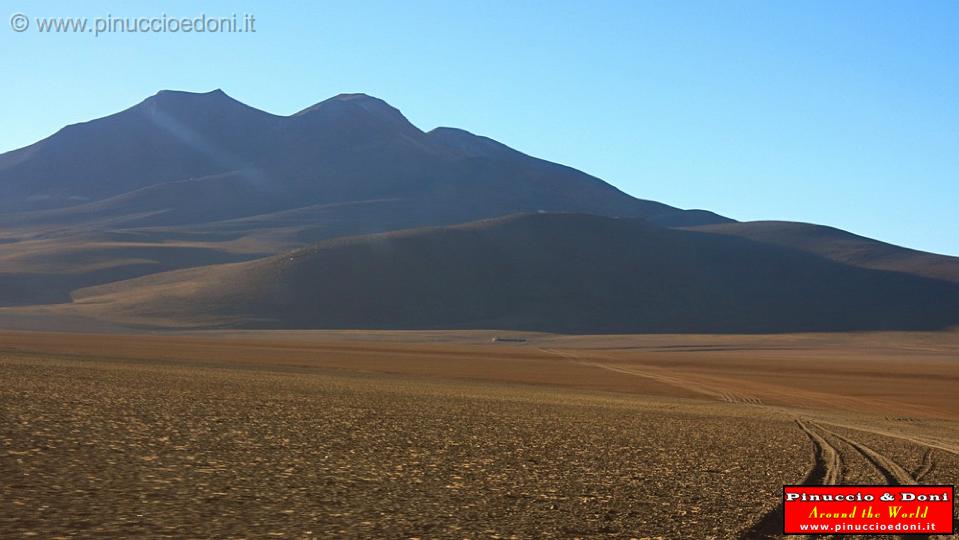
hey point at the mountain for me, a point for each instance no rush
(152, 165)
(170, 136)
(188, 179)
(552, 272)
(193, 209)
(843, 247)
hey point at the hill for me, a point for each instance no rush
(552, 272)
(842, 246)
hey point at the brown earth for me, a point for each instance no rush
(452, 435)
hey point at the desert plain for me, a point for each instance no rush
(452, 434)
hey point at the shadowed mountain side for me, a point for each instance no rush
(166, 215)
(482, 189)
(554, 272)
(844, 247)
(183, 202)
(169, 136)
(186, 180)
(182, 165)
(44, 267)
(165, 160)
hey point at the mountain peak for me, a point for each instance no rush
(359, 107)
(359, 100)
(191, 104)
(183, 100)
(182, 95)
(214, 92)
(355, 96)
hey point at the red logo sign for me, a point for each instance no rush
(872, 510)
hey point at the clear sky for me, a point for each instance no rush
(844, 113)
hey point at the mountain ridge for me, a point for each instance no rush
(843, 246)
(200, 185)
(175, 135)
(569, 273)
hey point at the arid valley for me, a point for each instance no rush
(479, 270)
(454, 435)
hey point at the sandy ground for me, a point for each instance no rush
(449, 435)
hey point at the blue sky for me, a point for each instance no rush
(842, 113)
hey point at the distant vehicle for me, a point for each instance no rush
(502, 339)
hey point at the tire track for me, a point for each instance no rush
(826, 470)
(926, 467)
(925, 442)
(656, 374)
(827, 457)
(827, 465)
(705, 388)
(894, 474)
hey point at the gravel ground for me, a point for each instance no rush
(115, 449)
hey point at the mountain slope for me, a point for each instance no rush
(183, 164)
(555, 272)
(170, 136)
(844, 247)
(184, 180)
(351, 147)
